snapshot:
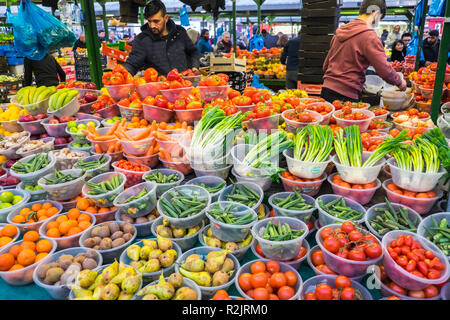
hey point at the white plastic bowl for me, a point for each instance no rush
(358, 175)
(325, 218)
(304, 169)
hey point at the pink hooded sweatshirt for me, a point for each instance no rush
(353, 49)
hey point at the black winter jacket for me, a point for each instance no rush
(175, 50)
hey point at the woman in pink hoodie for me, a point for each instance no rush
(354, 48)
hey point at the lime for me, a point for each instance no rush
(110, 121)
(76, 145)
(91, 124)
(86, 145)
(36, 188)
(29, 188)
(17, 199)
(73, 130)
(71, 124)
(7, 197)
(5, 205)
(82, 126)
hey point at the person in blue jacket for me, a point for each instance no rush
(203, 44)
(162, 44)
(289, 57)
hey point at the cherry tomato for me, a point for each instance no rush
(355, 235)
(326, 232)
(347, 227)
(285, 293)
(431, 291)
(331, 245)
(373, 250)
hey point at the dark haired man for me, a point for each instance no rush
(162, 44)
(203, 44)
(353, 49)
(430, 48)
(406, 38)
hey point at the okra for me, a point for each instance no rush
(158, 177)
(226, 215)
(281, 232)
(182, 204)
(339, 209)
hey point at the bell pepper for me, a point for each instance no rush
(176, 84)
(213, 81)
(124, 102)
(106, 79)
(180, 104)
(151, 75)
(194, 105)
(242, 101)
(161, 101)
(174, 75)
(233, 94)
(134, 96)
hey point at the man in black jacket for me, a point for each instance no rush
(289, 57)
(430, 48)
(161, 44)
(46, 72)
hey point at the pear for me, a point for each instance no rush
(194, 265)
(201, 278)
(163, 243)
(166, 259)
(192, 231)
(154, 254)
(178, 232)
(80, 292)
(165, 232)
(150, 296)
(131, 284)
(215, 260)
(111, 292)
(86, 278)
(145, 252)
(228, 265)
(165, 222)
(152, 265)
(98, 281)
(185, 293)
(85, 298)
(231, 246)
(125, 273)
(136, 264)
(212, 265)
(220, 255)
(121, 266)
(176, 280)
(209, 233)
(150, 243)
(124, 296)
(110, 272)
(163, 290)
(212, 242)
(98, 292)
(193, 257)
(133, 252)
(220, 278)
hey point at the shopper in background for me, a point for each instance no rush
(203, 44)
(426, 32)
(269, 40)
(384, 36)
(242, 42)
(393, 36)
(162, 44)
(112, 36)
(193, 35)
(80, 43)
(224, 45)
(353, 49)
(282, 40)
(289, 57)
(406, 38)
(430, 48)
(397, 51)
(46, 72)
(101, 36)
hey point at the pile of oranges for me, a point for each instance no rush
(7, 233)
(30, 251)
(88, 205)
(38, 212)
(66, 225)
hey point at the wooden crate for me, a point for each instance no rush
(220, 64)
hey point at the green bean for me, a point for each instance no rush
(182, 204)
(158, 177)
(339, 209)
(227, 216)
(281, 232)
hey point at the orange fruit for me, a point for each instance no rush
(103, 210)
(41, 212)
(73, 214)
(41, 256)
(84, 217)
(4, 241)
(18, 219)
(112, 208)
(16, 267)
(42, 218)
(31, 236)
(47, 205)
(9, 231)
(52, 224)
(64, 227)
(25, 211)
(82, 204)
(15, 250)
(28, 245)
(91, 203)
(51, 211)
(74, 230)
(84, 225)
(62, 219)
(53, 233)
(26, 257)
(91, 210)
(43, 246)
(36, 207)
(6, 261)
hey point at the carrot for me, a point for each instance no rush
(154, 126)
(105, 138)
(184, 125)
(162, 136)
(177, 125)
(142, 135)
(156, 149)
(118, 146)
(113, 128)
(111, 148)
(92, 130)
(162, 125)
(97, 148)
(150, 151)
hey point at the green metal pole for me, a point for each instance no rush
(422, 25)
(234, 25)
(95, 65)
(105, 21)
(442, 64)
(141, 10)
(258, 3)
(215, 29)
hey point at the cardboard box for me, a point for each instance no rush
(221, 64)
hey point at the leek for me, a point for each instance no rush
(389, 145)
(313, 143)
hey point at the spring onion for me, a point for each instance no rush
(313, 143)
(421, 156)
(349, 148)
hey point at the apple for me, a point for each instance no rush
(60, 140)
(9, 164)
(44, 135)
(82, 101)
(79, 85)
(53, 120)
(90, 97)
(64, 119)
(12, 180)
(41, 116)
(27, 118)
(91, 85)
(69, 139)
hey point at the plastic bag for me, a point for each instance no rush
(256, 42)
(411, 49)
(52, 33)
(184, 17)
(437, 8)
(419, 9)
(25, 36)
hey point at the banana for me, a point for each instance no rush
(56, 98)
(60, 101)
(52, 100)
(43, 94)
(25, 96)
(38, 93)
(53, 89)
(70, 96)
(31, 95)
(19, 95)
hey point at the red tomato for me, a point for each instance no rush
(277, 280)
(342, 282)
(244, 281)
(260, 294)
(258, 267)
(285, 293)
(272, 266)
(324, 292)
(396, 288)
(357, 255)
(347, 227)
(331, 245)
(347, 294)
(259, 280)
(291, 278)
(317, 258)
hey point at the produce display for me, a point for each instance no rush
(367, 178)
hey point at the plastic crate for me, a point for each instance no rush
(14, 61)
